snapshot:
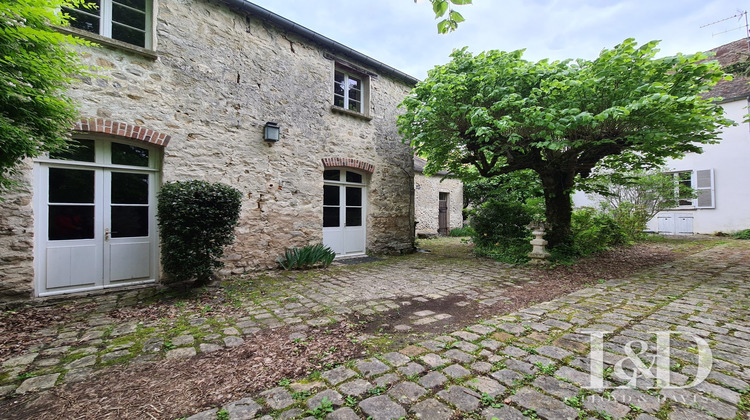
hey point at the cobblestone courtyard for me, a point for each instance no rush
(532, 363)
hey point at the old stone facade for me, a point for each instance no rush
(429, 191)
(198, 100)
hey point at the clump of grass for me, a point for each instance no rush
(743, 234)
(306, 257)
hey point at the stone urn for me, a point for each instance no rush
(538, 254)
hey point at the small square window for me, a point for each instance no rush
(349, 91)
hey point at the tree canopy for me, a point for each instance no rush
(36, 63)
(496, 113)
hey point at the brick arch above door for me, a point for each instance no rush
(130, 131)
(349, 163)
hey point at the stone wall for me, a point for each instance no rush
(219, 77)
(427, 191)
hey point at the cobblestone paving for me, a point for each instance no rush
(535, 363)
(73, 351)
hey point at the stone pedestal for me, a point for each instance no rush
(538, 254)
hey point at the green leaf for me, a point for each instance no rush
(461, 2)
(456, 17)
(439, 7)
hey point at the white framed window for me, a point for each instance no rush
(128, 21)
(349, 91)
(695, 189)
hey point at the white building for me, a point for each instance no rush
(720, 175)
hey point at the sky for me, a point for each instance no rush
(403, 34)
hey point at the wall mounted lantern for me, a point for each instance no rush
(271, 132)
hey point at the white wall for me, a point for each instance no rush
(730, 160)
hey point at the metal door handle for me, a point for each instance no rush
(106, 234)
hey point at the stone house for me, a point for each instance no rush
(438, 201)
(185, 89)
(718, 175)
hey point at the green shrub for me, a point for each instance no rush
(594, 232)
(306, 257)
(631, 219)
(743, 234)
(462, 231)
(500, 231)
(196, 221)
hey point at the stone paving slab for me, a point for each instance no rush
(534, 363)
(528, 376)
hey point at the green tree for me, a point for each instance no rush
(36, 64)
(497, 113)
(451, 18)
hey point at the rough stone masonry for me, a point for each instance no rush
(219, 75)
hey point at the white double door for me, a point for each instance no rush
(344, 218)
(97, 228)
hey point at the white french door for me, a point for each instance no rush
(97, 220)
(344, 212)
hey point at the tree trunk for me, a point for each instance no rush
(558, 186)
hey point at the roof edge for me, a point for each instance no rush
(326, 42)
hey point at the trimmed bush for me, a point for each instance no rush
(306, 257)
(196, 221)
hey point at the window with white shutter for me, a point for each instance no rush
(704, 188)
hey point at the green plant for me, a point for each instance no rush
(284, 382)
(350, 401)
(500, 231)
(462, 231)
(306, 257)
(300, 395)
(168, 345)
(38, 63)
(743, 234)
(222, 415)
(594, 231)
(325, 407)
(490, 401)
(376, 391)
(196, 221)
(546, 369)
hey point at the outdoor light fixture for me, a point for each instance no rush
(271, 131)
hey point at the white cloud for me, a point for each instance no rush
(403, 35)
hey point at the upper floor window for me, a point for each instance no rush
(124, 20)
(347, 91)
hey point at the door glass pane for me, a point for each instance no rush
(331, 195)
(71, 186)
(129, 221)
(353, 177)
(129, 188)
(353, 196)
(331, 217)
(124, 154)
(70, 222)
(353, 216)
(78, 149)
(332, 175)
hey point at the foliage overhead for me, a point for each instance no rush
(36, 64)
(196, 221)
(495, 113)
(451, 18)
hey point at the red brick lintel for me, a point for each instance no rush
(130, 131)
(348, 163)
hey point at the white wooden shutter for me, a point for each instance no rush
(704, 187)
